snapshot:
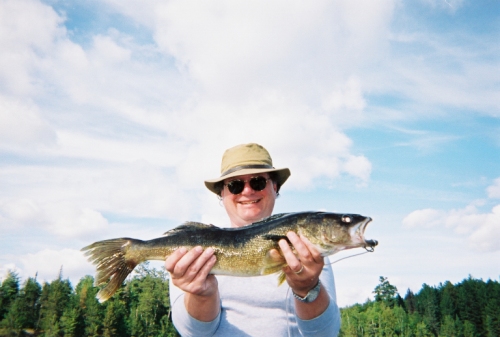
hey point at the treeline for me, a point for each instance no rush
(141, 307)
(470, 308)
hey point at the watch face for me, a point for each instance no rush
(311, 295)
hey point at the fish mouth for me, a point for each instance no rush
(360, 234)
(369, 244)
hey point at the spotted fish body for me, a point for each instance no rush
(243, 251)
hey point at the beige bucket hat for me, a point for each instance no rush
(246, 159)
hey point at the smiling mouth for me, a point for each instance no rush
(249, 202)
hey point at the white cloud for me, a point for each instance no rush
(156, 151)
(59, 218)
(487, 236)
(137, 189)
(494, 190)
(47, 264)
(5, 268)
(482, 230)
(72, 221)
(465, 220)
(103, 82)
(106, 50)
(359, 167)
(108, 79)
(424, 218)
(20, 211)
(347, 96)
(22, 126)
(444, 72)
(28, 29)
(291, 46)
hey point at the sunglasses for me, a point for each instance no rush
(237, 186)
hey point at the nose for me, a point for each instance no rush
(247, 189)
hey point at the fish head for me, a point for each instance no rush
(343, 231)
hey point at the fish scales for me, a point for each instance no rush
(243, 251)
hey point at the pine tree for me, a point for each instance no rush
(69, 322)
(428, 307)
(492, 310)
(410, 302)
(150, 303)
(422, 330)
(8, 292)
(469, 329)
(471, 304)
(388, 325)
(448, 327)
(449, 298)
(115, 318)
(54, 300)
(385, 291)
(89, 308)
(24, 311)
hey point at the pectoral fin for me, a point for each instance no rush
(281, 278)
(273, 262)
(275, 256)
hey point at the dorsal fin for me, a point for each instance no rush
(188, 226)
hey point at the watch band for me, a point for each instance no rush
(311, 295)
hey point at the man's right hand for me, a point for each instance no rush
(189, 271)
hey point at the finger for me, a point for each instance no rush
(199, 265)
(205, 269)
(275, 256)
(315, 253)
(173, 258)
(302, 250)
(293, 262)
(185, 262)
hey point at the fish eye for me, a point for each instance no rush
(346, 218)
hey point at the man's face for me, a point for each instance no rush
(249, 206)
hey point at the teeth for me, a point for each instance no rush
(249, 202)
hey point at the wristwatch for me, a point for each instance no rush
(311, 295)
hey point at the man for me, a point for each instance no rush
(205, 305)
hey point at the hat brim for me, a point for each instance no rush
(282, 173)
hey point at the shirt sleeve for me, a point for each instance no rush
(328, 323)
(185, 324)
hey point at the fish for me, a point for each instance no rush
(243, 251)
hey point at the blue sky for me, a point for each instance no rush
(112, 113)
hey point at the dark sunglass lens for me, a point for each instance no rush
(236, 186)
(258, 183)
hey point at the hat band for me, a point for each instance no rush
(237, 168)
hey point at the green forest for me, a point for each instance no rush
(141, 307)
(470, 308)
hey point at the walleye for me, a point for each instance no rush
(243, 251)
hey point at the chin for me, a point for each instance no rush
(253, 217)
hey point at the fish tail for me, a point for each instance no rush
(112, 264)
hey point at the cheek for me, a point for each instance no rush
(227, 200)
